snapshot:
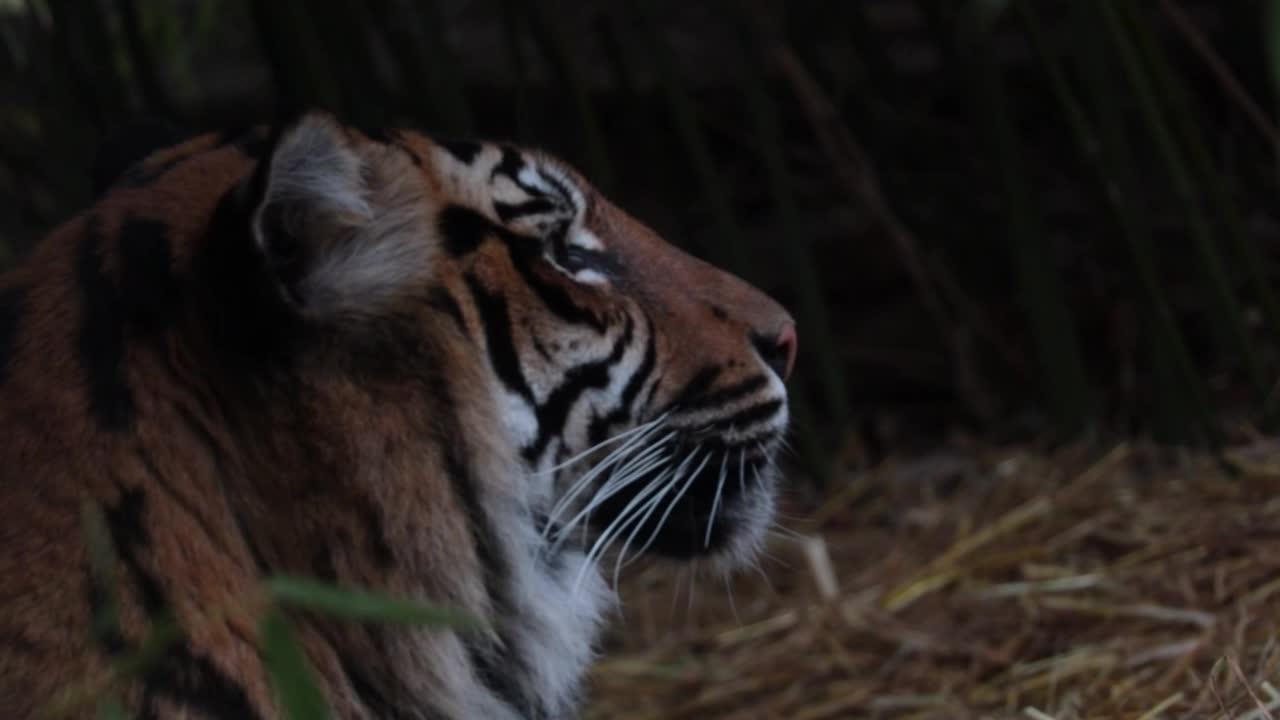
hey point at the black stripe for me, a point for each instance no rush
(491, 664)
(653, 390)
(632, 389)
(12, 304)
(727, 394)
(497, 333)
(699, 384)
(463, 229)
(129, 535)
(378, 701)
(555, 298)
(181, 674)
(748, 416)
(376, 534)
(600, 426)
(149, 294)
(193, 680)
(560, 188)
(588, 376)
(101, 346)
(198, 514)
(539, 347)
(445, 302)
(464, 151)
(216, 454)
(414, 157)
(511, 164)
(536, 206)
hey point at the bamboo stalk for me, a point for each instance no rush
(1219, 199)
(1233, 336)
(1111, 151)
(1051, 324)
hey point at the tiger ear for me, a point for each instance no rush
(335, 220)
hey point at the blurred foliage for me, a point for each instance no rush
(1011, 217)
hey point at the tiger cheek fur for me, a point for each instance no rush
(446, 370)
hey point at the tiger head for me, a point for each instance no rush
(642, 388)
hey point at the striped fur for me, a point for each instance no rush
(446, 370)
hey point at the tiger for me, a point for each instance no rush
(446, 370)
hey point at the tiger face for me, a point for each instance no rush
(642, 387)
(446, 370)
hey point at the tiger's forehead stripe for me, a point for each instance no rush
(421, 395)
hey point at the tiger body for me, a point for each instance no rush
(446, 371)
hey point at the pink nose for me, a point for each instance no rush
(780, 354)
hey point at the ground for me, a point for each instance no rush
(1099, 582)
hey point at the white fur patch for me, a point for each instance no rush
(586, 239)
(358, 221)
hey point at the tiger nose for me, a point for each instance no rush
(779, 351)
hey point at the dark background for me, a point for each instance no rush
(1020, 220)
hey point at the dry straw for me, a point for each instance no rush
(1133, 584)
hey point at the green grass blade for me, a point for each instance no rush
(360, 605)
(290, 672)
(1117, 181)
(1226, 308)
(111, 709)
(1211, 183)
(1043, 296)
(105, 622)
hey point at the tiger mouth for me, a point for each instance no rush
(707, 515)
(704, 493)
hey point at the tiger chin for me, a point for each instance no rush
(445, 370)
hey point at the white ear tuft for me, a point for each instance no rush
(337, 220)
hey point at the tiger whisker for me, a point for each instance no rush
(652, 506)
(618, 455)
(715, 504)
(639, 429)
(619, 524)
(631, 507)
(648, 460)
(733, 607)
(629, 457)
(673, 478)
(742, 471)
(671, 505)
(620, 562)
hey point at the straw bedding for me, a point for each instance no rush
(1132, 582)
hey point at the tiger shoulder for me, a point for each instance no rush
(448, 371)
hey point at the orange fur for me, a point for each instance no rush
(333, 460)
